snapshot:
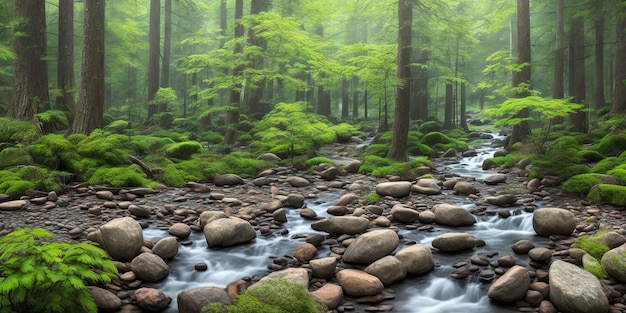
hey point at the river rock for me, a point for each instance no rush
(226, 232)
(296, 181)
(105, 195)
(396, 189)
(428, 186)
(614, 262)
(464, 188)
(427, 217)
(121, 237)
(280, 215)
(612, 239)
(511, 286)
(296, 275)
(149, 267)
(271, 206)
(197, 187)
(228, 179)
(347, 199)
(403, 214)
(495, 179)
(502, 200)
(553, 221)
(193, 300)
(305, 252)
(180, 230)
(540, 254)
(105, 300)
(417, 259)
(324, 267)
(453, 242)
(13, 205)
(140, 211)
(294, 200)
(166, 248)
(329, 173)
(358, 283)
(522, 246)
(353, 166)
(371, 246)
(574, 290)
(452, 215)
(388, 269)
(269, 157)
(341, 225)
(152, 300)
(207, 217)
(329, 294)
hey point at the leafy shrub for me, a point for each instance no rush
(130, 176)
(53, 119)
(343, 132)
(612, 194)
(183, 150)
(561, 159)
(317, 161)
(16, 132)
(612, 145)
(41, 276)
(271, 296)
(118, 127)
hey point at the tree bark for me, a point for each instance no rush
(30, 87)
(234, 97)
(522, 130)
(463, 114)
(256, 92)
(577, 72)
(323, 95)
(153, 55)
(399, 139)
(345, 98)
(448, 122)
(419, 101)
(598, 81)
(90, 104)
(355, 97)
(559, 57)
(167, 47)
(619, 69)
(65, 62)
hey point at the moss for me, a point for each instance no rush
(211, 137)
(118, 127)
(111, 150)
(612, 145)
(418, 148)
(245, 126)
(619, 174)
(183, 150)
(377, 149)
(343, 132)
(560, 159)
(10, 157)
(508, 160)
(16, 188)
(140, 144)
(17, 181)
(581, 183)
(173, 177)
(430, 126)
(175, 136)
(456, 133)
(244, 137)
(242, 164)
(17, 132)
(317, 161)
(441, 142)
(372, 198)
(589, 156)
(43, 155)
(407, 170)
(186, 124)
(606, 165)
(592, 245)
(130, 176)
(612, 194)
(595, 267)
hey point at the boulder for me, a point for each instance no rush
(574, 290)
(296, 275)
(522, 246)
(140, 211)
(358, 283)
(329, 173)
(296, 181)
(329, 294)
(149, 267)
(540, 254)
(495, 179)
(511, 286)
(226, 232)
(105, 300)
(341, 225)
(271, 206)
(305, 252)
(152, 300)
(614, 261)
(180, 230)
(417, 259)
(553, 221)
(228, 179)
(453, 242)
(403, 214)
(464, 188)
(353, 166)
(347, 199)
(207, 217)
(612, 239)
(397, 189)
(197, 187)
(452, 215)
(502, 200)
(122, 238)
(428, 186)
(166, 248)
(294, 200)
(193, 300)
(13, 205)
(371, 246)
(427, 217)
(269, 157)
(324, 267)
(388, 269)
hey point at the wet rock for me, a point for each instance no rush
(511, 286)
(271, 206)
(533, 297)
(305, 252)
(358, 283)
(488, 164)
(261, 181)
(403, 214)
(428, 186)
(453, 242)
(105, 195)
(506, 261)
(502, 200)
(198, 187)
(452, 215)
(347, 199)
(341, 225)
(371, 246)
(228, 179)
(329, 294)
(166, 248)
(417, 259)
(13, 205)
(522, 246)
(388, 269)
(464, 188)
(207, 217)
(495, 179)
(280, 216)
(121, 237)
(540, 254)
(307, 213)
(294, 200)
(226, 232)
(329, 173)
(381, 221)
(152, 300)
(550, 181)
(324, 267)
(427, 217)
(353, 166)
(547, 307)
(296, 181)
(149, 267)
(553, 221)
(398, 189)
(139, 211)
(105, 300)
(612, 239)
(193, 300)
(180, 230)
(575, 290)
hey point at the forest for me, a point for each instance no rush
(157, 94)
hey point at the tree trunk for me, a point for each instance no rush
(619, 68)
(256, 92)
(463, 114)
(30, 87)
(234, 97)
(522, 130)
(65, 61)
(559, 58)
(153, 55)
(598, 87)
(448, 122)
(167, 48)
(355, 97)
(419, 103)
(323, 95)
(577, 72)
(90, 104)
(345, 98)
(399, 139)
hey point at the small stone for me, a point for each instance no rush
(201, 267)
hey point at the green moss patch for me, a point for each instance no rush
(439, 141)
(130, 176)
(582, 183)
(612, 194)
(183, 150)
(612, 145)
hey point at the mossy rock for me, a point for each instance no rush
(582, 183)
(18, 180)
(10, 157)
(619, 174)
(418, 148)
(183, 150)
(130, 176)
(606, 165)
(440, 142)
(17, 132)
(186, 124)
(245, 126)
(142, 145)
(456, 133)
(318, 160)
(118, 127)
(377, 149)
(430, 126)
(612, 194)
(43, 155)
(211, 137)
(343, 132)
(612, 144)
(590, 156)
(592, 244)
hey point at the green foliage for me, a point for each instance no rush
(456, 133)
(619, 174)
(581, 183)
(118, 126)
(441, 142)
(508, 160)
(10, 157)
(612, 144)
(16, 132)
(561, 159)
(343, 132)
(183, 150)
(592, 245)
(377, 149)
(612, 194)
(55, 118)
(606, 165)
(109, 149)
(317, 161)
(37, 275)
(408, 170)
(430, 126)
(589, 156)
(212, 137)
(130, 176)
(16, 181)
(142, 145)
(186, 125)
(271, 296)
(372, 198)
(242, 164)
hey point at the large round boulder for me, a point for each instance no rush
(553, 221)
(614, 262)
(166, 248)
(428, 186)
(341, 225)
(452, 215)
(574, 290)
(193, 300)
(149, 267)
(226, 232)
(417, 259)
(453, 242)
(403, 214)
(228, 179)
(464, 188)
(396, 189)
(388, 269)
(152, 300)
(511, 286)
(371, 246)
(329, 294)
(105, 300)
(122, 238)
(358, 283)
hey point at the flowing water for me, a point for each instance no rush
(435, 292)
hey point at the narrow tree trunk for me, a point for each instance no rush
(399, 139)
(153, 55)
(577, 72)
(323, 95)
(355, 97)
(256, 92)
(65, 61)
(619, 68)
(463, 117)
(419, 103)
(559, 58)
(448, 122)
(522, 130)
(234, 98)
(30, 87)
(90, 104)
(167, 48)
(345, 98)
(598, 81)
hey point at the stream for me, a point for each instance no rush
(435, 292)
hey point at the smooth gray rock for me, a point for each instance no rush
(371, 246)
(553, 221)
(511, 286)
(574, 290)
